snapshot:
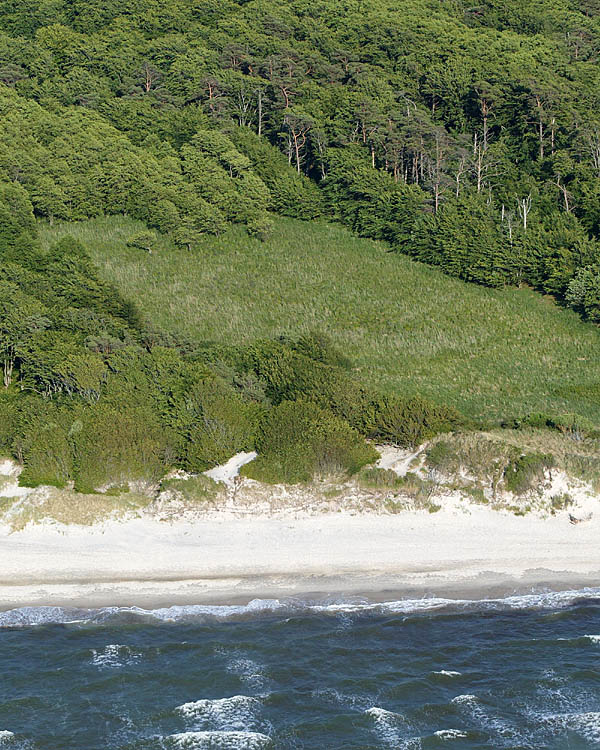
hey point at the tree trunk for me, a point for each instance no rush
(259, 112)
(9, 364)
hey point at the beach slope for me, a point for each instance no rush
(467, 551)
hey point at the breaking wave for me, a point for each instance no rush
(203, 613)
(115, 656)
(238, 713)
(219, 740)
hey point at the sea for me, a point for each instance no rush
(325, 674)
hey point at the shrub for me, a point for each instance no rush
(45, 446)
(143, 241)
(373, 477)
(197, 489)
(260, 226)
(410, 422)
(9, 421)
(221, 424)
(583, 292)
(297, 440)
(320, 348)
(291, 194)
(561, 502)
(526, 472)
(118, 444)
(439, 455)
(569, 424)
(303, 372)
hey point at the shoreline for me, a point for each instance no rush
(220, 559)
(151, 595)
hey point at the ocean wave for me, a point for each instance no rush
(586, 724)
(595, 639)
(337, 698)
(474, 710)
(240, 713)
(10, 741)
(450, 734)
(219, 741)
(198, 613)
(249, 672)
(115, 656)
(392, 729)
(447, 673)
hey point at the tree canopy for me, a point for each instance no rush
(379, 114)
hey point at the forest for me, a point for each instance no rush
(463, 136)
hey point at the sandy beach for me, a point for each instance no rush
(473, 553)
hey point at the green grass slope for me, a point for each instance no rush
(407, 327)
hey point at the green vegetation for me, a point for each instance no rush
(407, 328)
(95, 398)
(198, 489)
(525, 472)
(519, 460)
(67, 507)
(174, 310)
(464, 136)
(298, 440)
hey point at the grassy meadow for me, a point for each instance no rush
(407, 327)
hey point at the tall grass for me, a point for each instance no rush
(407, 327)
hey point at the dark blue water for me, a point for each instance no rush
(516, 673)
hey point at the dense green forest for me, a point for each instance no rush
(464, 136)
(467, 136)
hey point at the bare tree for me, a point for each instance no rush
(566, 195)
(439, 153)
(297, 127)
(591, 140)
(150, 76)
(524, 209)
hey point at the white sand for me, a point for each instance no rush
(221, 558)
(227, 472)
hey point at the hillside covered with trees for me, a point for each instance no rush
(467, 136)
(464, 136)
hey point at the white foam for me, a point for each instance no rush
(450, 734)
(586, 725)
(115, 656)
(475, 710)
(238, 713)
(249, 672)
(224, 611)
(595, 639)
(392, 728)
(403, 606)
(25, 616)
(6, 736)
(220, 740)
(197, 612)
(448, 673)
(464, 699)
(541, 600)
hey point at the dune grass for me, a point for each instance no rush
(407, 327)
